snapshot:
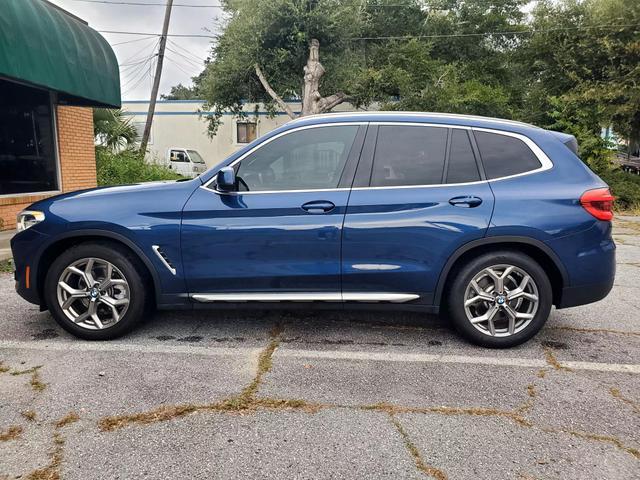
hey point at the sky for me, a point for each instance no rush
(184, 57)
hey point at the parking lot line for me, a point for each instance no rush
(316, 354)
(455, 359)
(127, 347)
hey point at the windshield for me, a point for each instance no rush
(195, 156)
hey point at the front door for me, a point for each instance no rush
(419, 195)
(278, 236)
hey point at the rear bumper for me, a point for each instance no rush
(590, 260)
(574, 296)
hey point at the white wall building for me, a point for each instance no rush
(177, 123)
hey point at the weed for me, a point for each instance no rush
(6, 266)
(597, 330)
(415, 453)
(69, 418)
(616, 393)
(474, 411)
(29, 415)
(553, 361)
(11, 433)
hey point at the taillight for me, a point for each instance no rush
(599, 203)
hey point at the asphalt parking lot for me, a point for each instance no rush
(274, 394)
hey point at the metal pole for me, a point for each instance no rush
(156, 79)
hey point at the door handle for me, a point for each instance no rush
(465, 201)
(318, 206)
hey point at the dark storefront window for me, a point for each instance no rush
(27, 146)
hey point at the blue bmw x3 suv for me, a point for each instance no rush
(490, 221)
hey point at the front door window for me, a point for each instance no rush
(308, 159)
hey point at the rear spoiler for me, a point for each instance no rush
(569, 141)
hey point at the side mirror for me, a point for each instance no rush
(226, 179)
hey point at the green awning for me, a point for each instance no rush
(42, 45)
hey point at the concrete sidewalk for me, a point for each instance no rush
(5, 248)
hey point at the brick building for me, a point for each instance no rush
(53, 69)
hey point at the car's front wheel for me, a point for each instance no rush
(96, 290)
(500, 299)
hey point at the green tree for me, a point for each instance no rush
(181, 92)
(584, 66)
(113, 130)
(372, 51)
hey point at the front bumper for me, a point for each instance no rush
(26, 250)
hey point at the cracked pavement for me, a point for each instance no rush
(270, 394)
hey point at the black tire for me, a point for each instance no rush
(464, 275)
(130, 267)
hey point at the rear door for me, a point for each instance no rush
(419, 194)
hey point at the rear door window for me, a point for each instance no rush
(503, 155)
(462, 162)
(409, 155)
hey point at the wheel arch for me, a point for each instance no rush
(536, 249)
(66, 241)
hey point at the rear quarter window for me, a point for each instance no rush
(503, 155)
(409, 155)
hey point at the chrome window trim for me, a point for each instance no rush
(305, 297)
(424, 115)
(545, 161)
(269, 140)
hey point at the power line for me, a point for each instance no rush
(191, 5)
(186, 52)
(132, 41)
(157, 34)
(193, 63)
(142, 4)
(488, 34)
(406, 37)
(178, 65)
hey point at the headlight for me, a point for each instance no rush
(28, 218)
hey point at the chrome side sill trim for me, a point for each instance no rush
(156, 248)
(304, 297)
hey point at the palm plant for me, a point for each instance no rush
(113, 130)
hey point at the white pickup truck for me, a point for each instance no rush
(185, 162)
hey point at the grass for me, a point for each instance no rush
(6, 266)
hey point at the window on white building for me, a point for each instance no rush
(246, 132)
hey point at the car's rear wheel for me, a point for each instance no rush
(96, 290)
(500, 299)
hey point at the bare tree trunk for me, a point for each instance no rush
(312, 101)
(273, 94)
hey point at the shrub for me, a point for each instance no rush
(128, 166)
(624, 186)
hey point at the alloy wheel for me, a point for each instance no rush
(501, 300)
(93, 293)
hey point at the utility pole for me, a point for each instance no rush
(156, 79)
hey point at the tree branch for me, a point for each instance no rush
(327, 103)
(273, 94)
